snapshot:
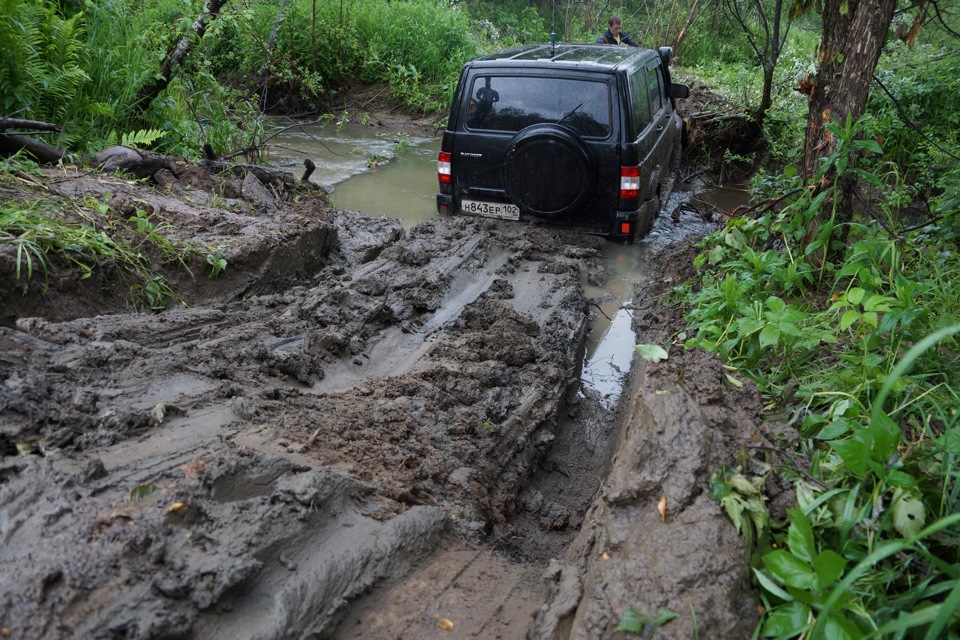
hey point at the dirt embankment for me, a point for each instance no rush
(334, 436)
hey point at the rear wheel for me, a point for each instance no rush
(548, 170)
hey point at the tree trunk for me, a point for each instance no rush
(178, 53)
(686, 26)
(854, 32)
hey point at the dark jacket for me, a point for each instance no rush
(608, 38)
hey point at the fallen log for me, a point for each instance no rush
(138, 162)
(178, 54)
(42, 152)
(19, 123)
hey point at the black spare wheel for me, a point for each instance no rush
(548, 170)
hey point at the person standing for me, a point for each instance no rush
(614, 35)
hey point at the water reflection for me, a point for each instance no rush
(373, 170)
(609, 348)
(403, 188)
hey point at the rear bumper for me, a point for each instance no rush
(625, 225)
(445, 204)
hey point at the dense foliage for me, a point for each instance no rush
(854, 343)
(82, 65)
(848, 327)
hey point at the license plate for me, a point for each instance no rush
(491, 209)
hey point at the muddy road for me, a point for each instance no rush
(356, 431)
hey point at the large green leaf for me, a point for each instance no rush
(800, 535)
(787, 621)
(789, 569)
(829, 566)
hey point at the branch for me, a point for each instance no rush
(943, 23)
(17, 123)
(763, 207)
(910, 123)
(256, 147)
(177, 54)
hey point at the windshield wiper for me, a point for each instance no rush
(570, 113)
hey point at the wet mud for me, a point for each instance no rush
(359, 432)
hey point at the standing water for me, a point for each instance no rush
(373, 171)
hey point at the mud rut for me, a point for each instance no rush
(393, 446)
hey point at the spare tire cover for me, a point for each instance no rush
(548, 170)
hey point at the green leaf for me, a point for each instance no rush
(829, 566)
(664, 616)
(848, 318)
(651, 352)
(838, 628)
(787, 621)
(872, 145)
(855, 455)
(897, 478)
(775, 304)
(836, 429)
(791, 571)
(632, 622)
(908, 512)
(877, 303)
(951, 440)
(733, 381)
(886, 436)
(770, 586)
(770, 335)
(855, 295)
(800, 535)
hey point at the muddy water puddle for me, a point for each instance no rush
(378, 172)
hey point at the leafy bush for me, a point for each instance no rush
(417, 47)
(856, 340)
(920, 128)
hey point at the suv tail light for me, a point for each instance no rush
(629, 183)
(443, 167)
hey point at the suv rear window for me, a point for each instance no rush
(512, 103)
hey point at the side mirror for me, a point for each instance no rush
(679, 90)
(666, 53)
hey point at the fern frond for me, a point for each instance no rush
(142, 138)
(21, 41)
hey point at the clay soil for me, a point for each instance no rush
(354, 431)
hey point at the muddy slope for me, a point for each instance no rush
(247, 468)
(345, 437)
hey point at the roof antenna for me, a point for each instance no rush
(553, 28)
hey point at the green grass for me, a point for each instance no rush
(87, 237)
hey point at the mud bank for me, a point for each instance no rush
(334, 440)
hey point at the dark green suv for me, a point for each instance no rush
(584, 136)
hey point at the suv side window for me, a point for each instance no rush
(655, 91)
(640, 100)
(513, 103)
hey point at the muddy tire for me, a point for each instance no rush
(548, 170)
(676, 161)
